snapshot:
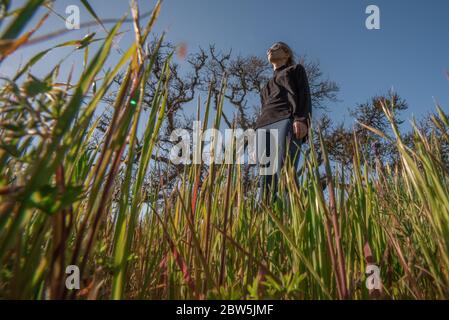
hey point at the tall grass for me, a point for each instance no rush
(206, 238)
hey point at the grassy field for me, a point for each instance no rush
(203, 239)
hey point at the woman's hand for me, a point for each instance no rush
(299, 129)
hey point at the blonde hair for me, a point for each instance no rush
(291, 59)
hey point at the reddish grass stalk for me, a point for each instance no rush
(57, 264)
(225, 225)
(340, 256)
(178, 258)
(331, 250)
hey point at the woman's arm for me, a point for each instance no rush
(302, 102)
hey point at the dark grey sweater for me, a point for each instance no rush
(286, 95)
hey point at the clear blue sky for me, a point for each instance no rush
(410, 53)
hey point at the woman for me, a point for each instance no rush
(286, 108)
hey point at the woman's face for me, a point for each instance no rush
(277, 53)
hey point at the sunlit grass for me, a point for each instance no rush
(203, 239)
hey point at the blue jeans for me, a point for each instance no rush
(286, 141)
